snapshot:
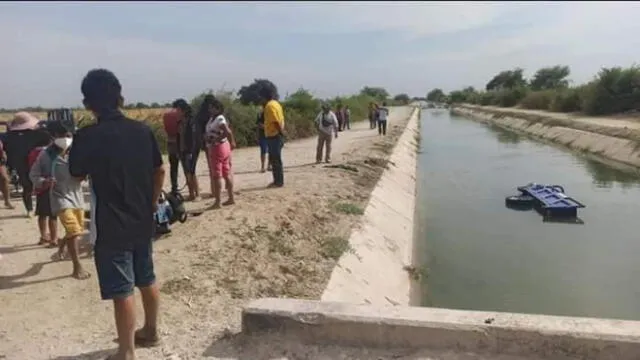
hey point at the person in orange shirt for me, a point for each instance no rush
(274, 132)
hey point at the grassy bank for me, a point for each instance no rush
(612, 91)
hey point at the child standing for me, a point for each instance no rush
(66, 197)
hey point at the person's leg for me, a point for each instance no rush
(275, 155)
(227, 174)
(27, 189)
(379, 127)
(73, 222)
(4, 187)
(263, 153)
(116, 276)
(42, 227)
(173, 171)
(384, 128)
(327, 155)
(53, 230)
(319, 147)
(145, 280)
(194, 179)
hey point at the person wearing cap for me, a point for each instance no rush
(328, 126)
(23, 137)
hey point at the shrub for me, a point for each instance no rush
(567, 100)
(509, 97)
(538, 100)
(614, 90)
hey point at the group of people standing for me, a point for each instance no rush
(209, 130)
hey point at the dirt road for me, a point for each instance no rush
(276, 242)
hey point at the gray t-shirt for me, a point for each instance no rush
(66, 193)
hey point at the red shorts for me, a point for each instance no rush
(220, 160)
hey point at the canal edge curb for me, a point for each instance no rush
(541, 336)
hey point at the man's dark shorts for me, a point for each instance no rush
(119, 271)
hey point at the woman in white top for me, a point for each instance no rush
(219, 141)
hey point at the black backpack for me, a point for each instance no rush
(176, 201)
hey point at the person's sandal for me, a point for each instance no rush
(142, 340)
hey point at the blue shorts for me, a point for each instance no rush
(119, 271)
(264, 147)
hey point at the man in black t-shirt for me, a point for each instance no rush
(122, 158)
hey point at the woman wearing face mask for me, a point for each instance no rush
(51, 171)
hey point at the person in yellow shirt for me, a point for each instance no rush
(274, 132)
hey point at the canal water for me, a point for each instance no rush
(479, 255)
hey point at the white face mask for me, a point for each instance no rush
(63, 143)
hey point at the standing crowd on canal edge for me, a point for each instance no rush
(121, 160)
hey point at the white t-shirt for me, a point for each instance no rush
(327, 123)
(383, 114)
(213, 131)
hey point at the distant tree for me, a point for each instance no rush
(155, 105)
(141, 105)
(250, 94)
(302, 100)
(464, 95)
(402, 98)
(436, 95)
(375, 92)
(550, 78)
(507, 79)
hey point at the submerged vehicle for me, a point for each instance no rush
(549, 200)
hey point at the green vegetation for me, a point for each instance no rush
(348, 208)
(612, 91)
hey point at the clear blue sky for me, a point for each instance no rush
(161, 51)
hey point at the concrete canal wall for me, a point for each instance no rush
(611, 139)
(374, 271)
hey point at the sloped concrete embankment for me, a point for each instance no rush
(373, 270)
(621, 145)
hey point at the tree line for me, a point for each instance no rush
(613, 90)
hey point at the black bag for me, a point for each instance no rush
(176, 201)
(326, 123)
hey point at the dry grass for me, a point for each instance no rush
(139, 114)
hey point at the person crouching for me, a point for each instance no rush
(66, 196)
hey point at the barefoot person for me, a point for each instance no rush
(4, 178)
(274, 132)
(122, 159)
(327, 126)
(66, 200)
(220, 142)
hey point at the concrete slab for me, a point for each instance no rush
(535, 336)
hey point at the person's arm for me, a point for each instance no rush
(229, 134)
(78, 161)
(36, 175)
(158, 170)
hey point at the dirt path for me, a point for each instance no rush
(280, 242)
